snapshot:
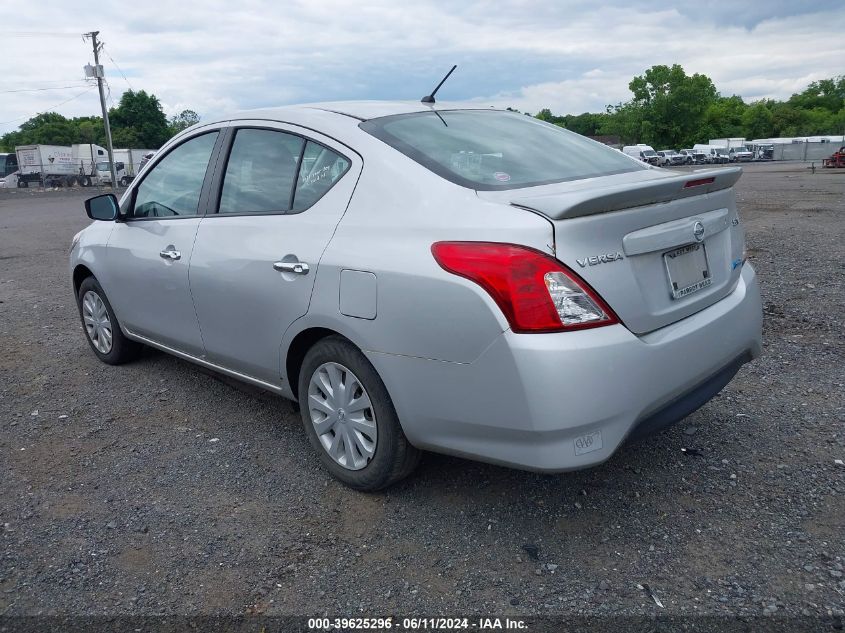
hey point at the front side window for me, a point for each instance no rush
(173, 186)
(492, 150)
(261, 172)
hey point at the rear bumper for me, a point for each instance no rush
(557, 402)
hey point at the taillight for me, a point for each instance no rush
(535, 292)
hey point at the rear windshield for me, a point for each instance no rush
(493, 150)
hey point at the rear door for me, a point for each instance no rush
(279, 193)
(146, 272)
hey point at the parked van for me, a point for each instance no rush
(720, 155)
(642, 152)
(740, 154)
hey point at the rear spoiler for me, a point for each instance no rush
(574, 204)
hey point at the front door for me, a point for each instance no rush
(149, 250)
(255, 259)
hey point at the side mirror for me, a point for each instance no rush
(103, 207)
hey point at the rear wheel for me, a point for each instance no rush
(124, 181)
(101, 327)
(350, 419)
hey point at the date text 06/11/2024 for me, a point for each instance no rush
(417, 624)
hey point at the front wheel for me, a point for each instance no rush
(101, 327)
(124, 182)
(349, 417)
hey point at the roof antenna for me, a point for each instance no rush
(430, 98)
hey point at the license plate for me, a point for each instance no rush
(687, 269)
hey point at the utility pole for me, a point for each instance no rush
(98, 73)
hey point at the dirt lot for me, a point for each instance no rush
(157, 488)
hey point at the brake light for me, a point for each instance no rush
(699, 182)
(535, 292)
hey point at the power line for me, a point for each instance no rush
(47, 81)
(118, 68)
(76, 96)
(79, 85)
(37, 34)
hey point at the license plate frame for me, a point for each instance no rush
(687, 270)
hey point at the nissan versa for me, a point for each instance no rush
(428, 277)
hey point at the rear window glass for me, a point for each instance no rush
(492, 150)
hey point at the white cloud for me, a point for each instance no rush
(569, 56)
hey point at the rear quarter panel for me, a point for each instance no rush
(399, 209)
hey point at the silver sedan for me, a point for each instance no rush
(423, 276)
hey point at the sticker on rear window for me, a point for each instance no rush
(501, 176)
(588, 443)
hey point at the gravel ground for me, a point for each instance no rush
(158, 488)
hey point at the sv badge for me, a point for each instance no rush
(605, 258)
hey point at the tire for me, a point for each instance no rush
(85, 181)
(124, 182)
(393, 458)
(121, 349)
(22, 184)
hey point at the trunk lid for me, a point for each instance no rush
(658, 246)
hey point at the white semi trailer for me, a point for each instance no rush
(47, 165)
(85, 164)
(728, 143)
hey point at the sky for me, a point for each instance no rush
(570, 56)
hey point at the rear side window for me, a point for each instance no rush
(492, 150)
(261, 172)
(320, 169)
(276, 172)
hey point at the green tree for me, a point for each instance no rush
(757, 121)
(673, 104)
(182, 121)
(625, 120)
(140, 116)
(828, 94)
(787, 120)
(137, 122)
(723, 118)
(587, 123)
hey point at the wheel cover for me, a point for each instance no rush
(343, 416)
(97, 322)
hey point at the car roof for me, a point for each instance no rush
(361, 110)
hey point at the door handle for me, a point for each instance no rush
(171, 254)
(298, 268)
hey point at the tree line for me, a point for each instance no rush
(138, 121)
(671, 109)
